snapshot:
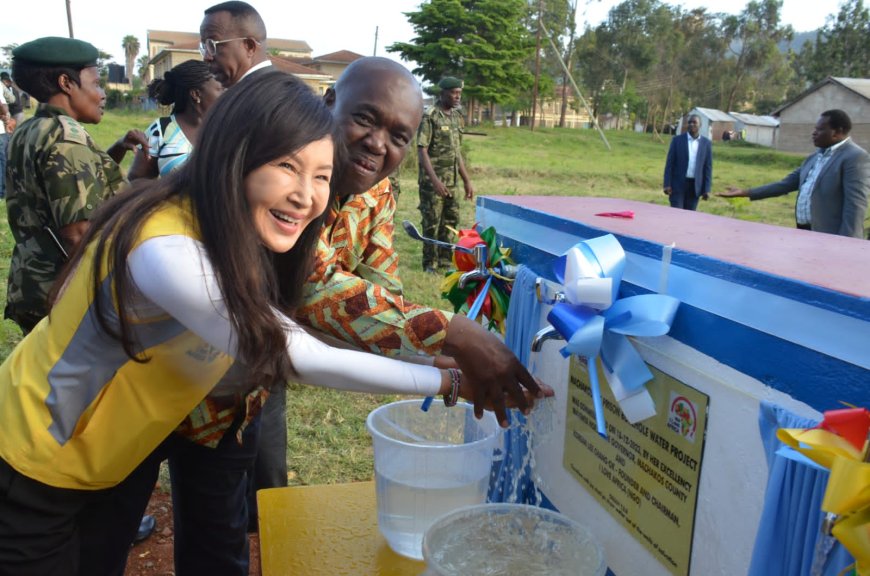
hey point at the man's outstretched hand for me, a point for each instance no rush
(498, 379)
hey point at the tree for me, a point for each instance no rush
(842, 47)
(142, 68)
(482, 41)
(753, 36)
(130, 44)
(570, 21)
(439, 46)
(500, 43)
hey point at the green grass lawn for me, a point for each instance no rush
(327, 437)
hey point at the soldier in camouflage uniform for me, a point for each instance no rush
(395, 184)
(57, 176)
(439, 151)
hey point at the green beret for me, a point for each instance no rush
(449, 83)
(57, 51)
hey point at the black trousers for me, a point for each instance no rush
(209, 504)
(684, 198)
(48, 531)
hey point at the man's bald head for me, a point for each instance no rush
(375, 65)
(377, 104)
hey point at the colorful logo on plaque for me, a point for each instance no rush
(683, 417)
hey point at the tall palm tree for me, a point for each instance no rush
(130, 44)
(142, 67)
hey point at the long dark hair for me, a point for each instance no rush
(257, 121)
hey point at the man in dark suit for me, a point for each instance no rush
(689, 167)
(832, 183)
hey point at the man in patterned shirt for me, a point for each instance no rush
(355, 293)
(439, 151)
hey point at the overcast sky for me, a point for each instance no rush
(327, 25)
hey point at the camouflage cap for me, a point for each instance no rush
(450, 83)
(57, 51)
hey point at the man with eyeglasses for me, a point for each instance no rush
(233, 41)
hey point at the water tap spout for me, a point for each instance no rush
(415, 234)
(544, 334)
(480, 272)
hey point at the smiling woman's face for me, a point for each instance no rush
(287, 194)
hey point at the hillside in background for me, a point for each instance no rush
(798, 41)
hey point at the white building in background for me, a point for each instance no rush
(761, 130)
(713, 122)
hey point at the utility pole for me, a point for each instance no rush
(537, 65)
(69, 18)
(576, 88)
(375, 52)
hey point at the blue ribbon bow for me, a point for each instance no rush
(595, 323)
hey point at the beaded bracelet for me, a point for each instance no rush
(452, 397)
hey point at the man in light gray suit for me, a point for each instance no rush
(833, 183)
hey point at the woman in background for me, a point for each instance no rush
(191, 90)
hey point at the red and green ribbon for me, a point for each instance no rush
(487, 299)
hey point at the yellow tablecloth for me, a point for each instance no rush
(328, 530)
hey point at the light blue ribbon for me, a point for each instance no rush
(472, 315)
(596, 323)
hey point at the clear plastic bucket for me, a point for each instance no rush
(427, 464)
(509, 539)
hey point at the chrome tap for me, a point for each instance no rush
(480, 273)
(415, 234)
(546, 293)
(479, 252)
(544, 334)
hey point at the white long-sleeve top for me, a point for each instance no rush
(174, 274)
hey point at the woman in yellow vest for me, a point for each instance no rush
(177, 280)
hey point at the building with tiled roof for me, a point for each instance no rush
(317, 80)
(167, 49)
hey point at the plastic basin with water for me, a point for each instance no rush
(508, 540)
(427, 464)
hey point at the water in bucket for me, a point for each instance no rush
(509, 539)
(427, 464)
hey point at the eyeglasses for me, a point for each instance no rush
(208, 47)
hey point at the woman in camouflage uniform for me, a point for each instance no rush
(57, 175)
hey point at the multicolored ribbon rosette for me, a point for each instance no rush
(840, 444)
(486, 294)
(596, 323)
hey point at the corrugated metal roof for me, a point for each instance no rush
(713, 114)
(859, 85)
(753, 120)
